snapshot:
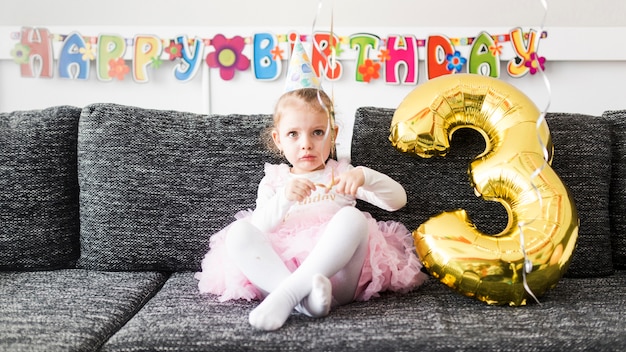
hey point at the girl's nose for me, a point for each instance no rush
(307, 143)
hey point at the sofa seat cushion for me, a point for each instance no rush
(69, 310)
(155, 185)
(434, 185)
(578, 315)
(39, 189)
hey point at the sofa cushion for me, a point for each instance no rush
(578, 315)
(156, 184)
(617, 119)
(69, 310)
(39, 189)
(584, 165)
(585, 169)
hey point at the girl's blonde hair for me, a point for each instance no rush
(316, 99)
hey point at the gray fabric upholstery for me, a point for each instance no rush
(431, 318)
(39, 189)
(69, 310)
(156, 184)
(618, 186)
(439, 184)
(581, 160)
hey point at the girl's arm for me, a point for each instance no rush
(271, 207)
(381, 190)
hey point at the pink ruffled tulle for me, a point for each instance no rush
(391, 264)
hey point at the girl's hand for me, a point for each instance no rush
(298, 189)
(350, 181)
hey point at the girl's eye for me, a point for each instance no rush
(292, 134)
(318, 132)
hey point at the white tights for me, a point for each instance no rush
(328, 276)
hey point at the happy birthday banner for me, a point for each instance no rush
(394, 58)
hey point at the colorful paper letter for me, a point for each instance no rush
(71, 62)
(265, 66)
(482, 61)
(322, 60)
(146, 48)
(402, 53)
(110, 47)
(363, 43)
(438, 47)
(523, 50)
(190, 59)
(40, 63)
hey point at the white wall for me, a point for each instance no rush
(362, 13)
(585, 48)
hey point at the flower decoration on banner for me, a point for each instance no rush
(369, 70)
(156, 62)
(228, 56)
(118, 68)
(20, 53)
(535, 63)
(496, 48)
(175, 50)
(277, 53)
(87, 52)
(384, 55)
(455, 61)
(338, 49)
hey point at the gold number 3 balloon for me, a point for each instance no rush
(536, 246)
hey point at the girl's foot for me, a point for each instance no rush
(317, 304)
(272, 313)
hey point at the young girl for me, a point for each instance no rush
(305, 246)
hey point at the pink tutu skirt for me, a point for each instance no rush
(390, 265)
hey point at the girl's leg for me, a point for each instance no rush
(338, 254)
(255, 257)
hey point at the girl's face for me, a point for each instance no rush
(301, 134)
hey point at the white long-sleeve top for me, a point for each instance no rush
(273, 207)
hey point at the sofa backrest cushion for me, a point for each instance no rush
(155, 185)
(435, 185)
(582, 159)
(38, 189)
(617, 119)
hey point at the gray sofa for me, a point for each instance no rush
(106, 212)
